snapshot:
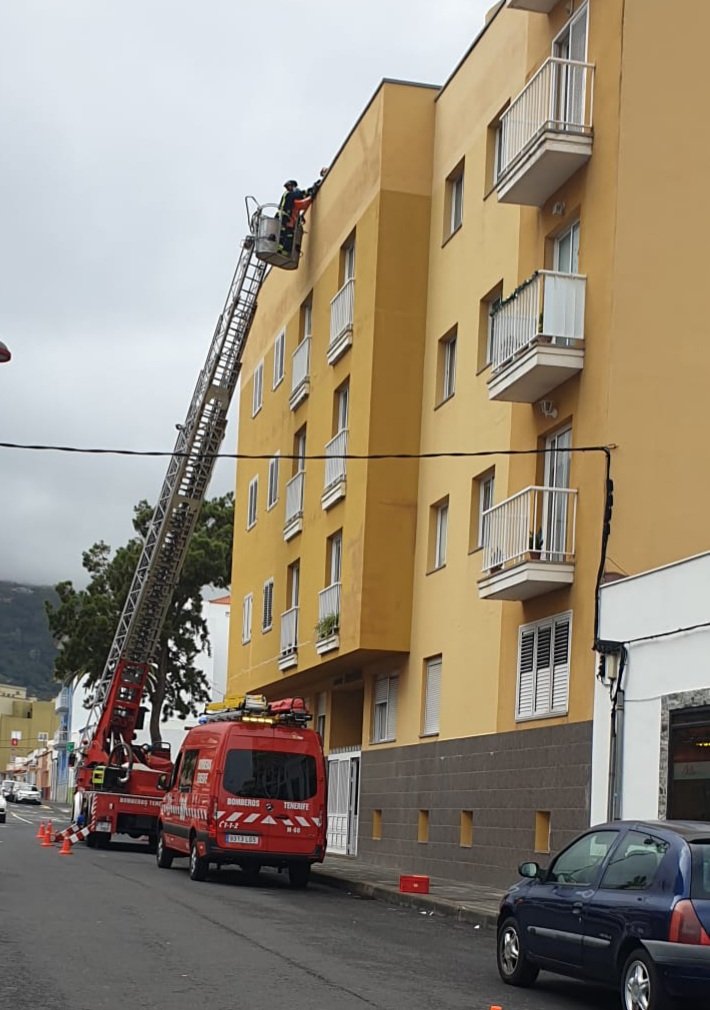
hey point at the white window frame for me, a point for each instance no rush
(349, 262)
(431, 708)
(321, 703)
(572, 233)
(542, 691)
(492, 303)
(279, 358)
(267, 608)
(441, 529)
(486, 498)
(335, 548)
(456, 201)
(384, 709)
(247, 611)
(342, 407)
(272, 492)
(307, 320)
(252, 501)
(257, 400)
(448, 371)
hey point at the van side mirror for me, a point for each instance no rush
(163, 781)
(531, 870)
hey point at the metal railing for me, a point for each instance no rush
(300, 363)
(328, 610)
(334, 463)
(548, 306)
(342, 311)
(63, 700)
(289, 631)
(558, 97)
(294, 497)
(538, 523)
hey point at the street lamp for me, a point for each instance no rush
(4, 353)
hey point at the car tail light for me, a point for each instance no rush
(212, 820)
(686, 927)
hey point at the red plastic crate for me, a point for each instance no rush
(414, 882)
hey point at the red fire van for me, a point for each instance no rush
(248, 788)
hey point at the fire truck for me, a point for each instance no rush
(120, 783)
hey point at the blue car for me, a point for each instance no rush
(626, 904)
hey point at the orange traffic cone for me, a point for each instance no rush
(66, 847)
(40, 831)
(48, 839)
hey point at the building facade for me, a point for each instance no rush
(493, 268)
(25, 724)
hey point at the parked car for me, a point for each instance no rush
(626, 904)
(25, 793)
(7, 787)
(3, 809)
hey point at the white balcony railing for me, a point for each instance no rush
(300, 364)
(334, 463)
(289, 631)
(558, 98)
(548, 307)
(60, 737)
(342, 309)
(294, 497)
(328, 611)
(538, 523)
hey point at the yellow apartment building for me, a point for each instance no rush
(503, 268)
(26, 724)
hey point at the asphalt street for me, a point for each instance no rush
(108, 930)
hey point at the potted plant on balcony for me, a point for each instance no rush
(535, 544)
(327, 626)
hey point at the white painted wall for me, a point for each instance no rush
(654, 602)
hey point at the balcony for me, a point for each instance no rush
(334, 487)
(538, 6)
(529, 544)
(300, 373)
(288, 656)
(537, 337)
(342, 313)
(62, 703)
(60, 739)
(328, 626)
(546, 133)
(293, 523)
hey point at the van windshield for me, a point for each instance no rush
(270, 775)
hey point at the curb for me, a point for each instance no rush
(426, 903)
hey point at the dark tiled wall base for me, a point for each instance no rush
(503, 778)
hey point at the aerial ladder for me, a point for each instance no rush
(119, 783)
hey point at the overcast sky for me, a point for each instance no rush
(131, 131)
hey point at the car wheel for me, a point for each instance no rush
(199, 866)
(513, 965)
(298, 875)
(2, 818)
(163, 855)
(641, 986)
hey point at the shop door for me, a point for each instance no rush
(343, 801)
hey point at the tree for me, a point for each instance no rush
(85, 621)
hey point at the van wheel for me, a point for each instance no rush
(298, 875)
(199, 865)
(163, 855)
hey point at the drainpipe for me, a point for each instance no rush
(611, 671)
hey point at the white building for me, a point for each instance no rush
(657, 764)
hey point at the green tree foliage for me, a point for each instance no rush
(27, 650)
(85, 621)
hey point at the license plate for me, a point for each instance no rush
(242, 839)
(103, 825)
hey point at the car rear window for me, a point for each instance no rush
(270, 775)
(700, 879)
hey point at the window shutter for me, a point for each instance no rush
(560, 671)
(273, 481)
(432, 698)
(381, 691)
(526, 675)
(392, 709)
(268, 605)
(543, 672)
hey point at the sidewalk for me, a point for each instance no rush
(466, 902)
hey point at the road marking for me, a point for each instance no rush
(17, 817)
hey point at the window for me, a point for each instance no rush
(293, 583)
(272, 493)
(268, 605)
(247, 608)
(454, 201)
(342, 408)
(187, 772)
(423, 826)
(438, 532)
(252, 501)
(432, 697)
(334, 557)
(446, 370)
(481, 501)
(494, 150)
(279, 357)
(258, 390)
(543, 667)
(306, 320)
(634, 863)
(487, 325)
(580, 863)
(348, 261)
(320, 716)
(270, 775)
(566, 251)
(299, 451)
(384, 716)
(42, 737)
